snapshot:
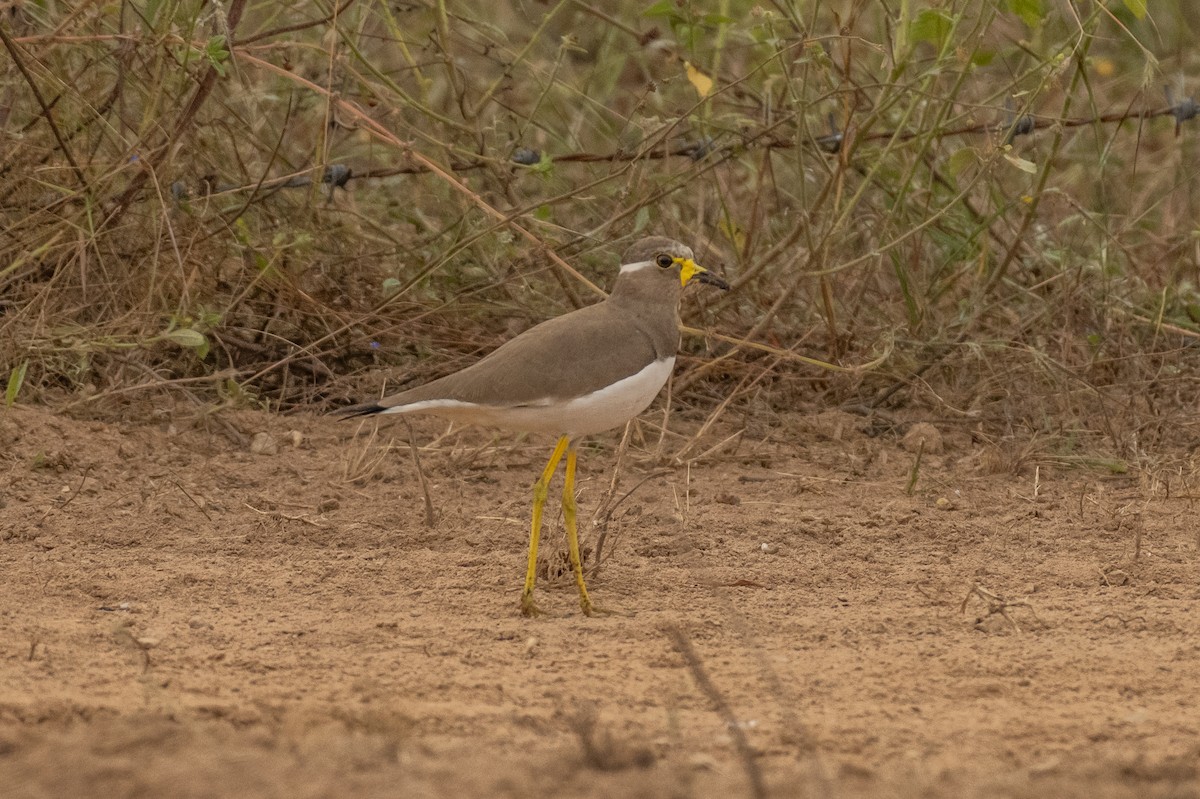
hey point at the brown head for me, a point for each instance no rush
(657, 268)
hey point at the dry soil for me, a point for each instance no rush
(245, 604)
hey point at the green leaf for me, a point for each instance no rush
(390, 286)
(15, 379)
(1031, 12)
(186, 337)
(962, 158)
(910, 301)
(641, 220)
(1137, 8)
(981, 58)
(217, 54)
(150, 12)
(241, 231)
(666, 9)
(931, 25)
(545, 165)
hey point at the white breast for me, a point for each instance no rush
(601, 410)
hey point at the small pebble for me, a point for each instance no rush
(263, 444)
(923, 433)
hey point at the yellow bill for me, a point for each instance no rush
(689, 269)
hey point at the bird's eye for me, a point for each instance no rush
(664, 260)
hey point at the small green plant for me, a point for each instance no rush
(16, 378)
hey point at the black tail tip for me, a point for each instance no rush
(362, 409)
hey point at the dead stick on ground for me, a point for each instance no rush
(282, 516)
(430, 516)
(915, 473)
(597, 558)
(622, 448)
(606, 502)
(997, 604)
(758, 788)
(70, 499)
(191, 498)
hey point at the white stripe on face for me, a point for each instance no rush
(635, 267)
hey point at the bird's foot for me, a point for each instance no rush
(592, 610)
(529, 608)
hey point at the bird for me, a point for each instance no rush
(584, 372)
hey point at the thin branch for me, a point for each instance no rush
(299, 26)
(11, 46)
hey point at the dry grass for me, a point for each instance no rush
(173, 222)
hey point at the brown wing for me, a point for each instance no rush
(568, 356)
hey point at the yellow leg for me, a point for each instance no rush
(540, 490)
(568, 504)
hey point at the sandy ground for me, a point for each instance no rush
(183, 616)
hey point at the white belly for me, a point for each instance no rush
(601, 410)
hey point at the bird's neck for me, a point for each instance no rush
(655, 315)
